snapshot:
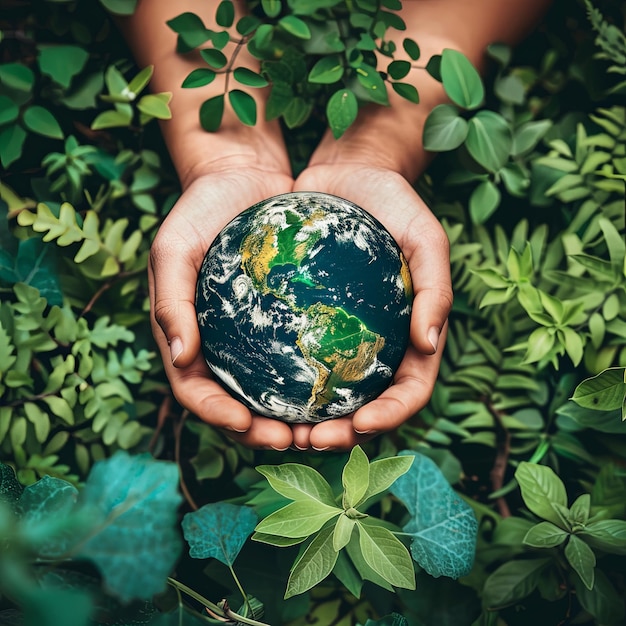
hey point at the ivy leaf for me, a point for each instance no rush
(298, 482)
(218, 530)
(62, 63)
(461, 79)
(386, 555)
(489, 140)
(512, 581)
(581, 557)
(134, 542)
(542, 491)
(341, 111)
(545, 535)
(444, 129)
(41, 121)
(355, 477)
(442, 525)
(244, 106)
(315, 564)
(211, 113)
(604, 392)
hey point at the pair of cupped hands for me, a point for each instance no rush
(214, 198)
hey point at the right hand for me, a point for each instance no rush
(205, 207)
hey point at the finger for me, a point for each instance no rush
(335, 435)
(301, 436)
(172, 280)
(265, 433)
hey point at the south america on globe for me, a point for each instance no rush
(304, 304)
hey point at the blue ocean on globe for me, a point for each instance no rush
(303, 304)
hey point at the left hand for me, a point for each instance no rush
(393, 201)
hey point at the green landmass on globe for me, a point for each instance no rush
(304, 302)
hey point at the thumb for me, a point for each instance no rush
(172, 282)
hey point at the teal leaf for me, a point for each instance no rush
(442, 525)
(10, 488)
(41, 121)
(134, 541)
(341, 111)
(53, 606)
(35, 266)
(393, 619)
(489, 140)
(543, 492)
(62, 63)
(218, 530)
(461, 79)
(444, 129)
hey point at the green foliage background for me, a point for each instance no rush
(526, 422)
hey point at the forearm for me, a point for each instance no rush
(391, 137)
(193, 150)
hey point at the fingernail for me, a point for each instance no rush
(433, 337)
(236, 430)
(364, 432)
(176, 349)
(320, 449)
(297, 447)
(279, 449)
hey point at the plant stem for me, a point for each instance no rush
(244, 595)
(178, 429)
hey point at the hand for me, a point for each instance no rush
(391, 199)
(204, 208)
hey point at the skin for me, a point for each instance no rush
(373, 165)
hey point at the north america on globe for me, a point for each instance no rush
(304, 304)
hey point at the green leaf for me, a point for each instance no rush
(134, 501)
(483, 202)
(407, 91)
(540, 342)
(11, 144)
(386, 555)
(513, 581)
(62, 63)
(214, 58)
(411, 48)
(384, 472)
(528, 135)
(329, 69)
(191, 31)
(41, 121)
(581, 557)
(9, 111)
(545, 535)
(370, 78)
(120, 7)
(218, 530)
(442, 525)
(156, 105)
(315, 564)
(298, 519)
(489, 140)
(603, 601)
(444, 129)
(112, 119)
(295, 26)
(604, 392)
(271, 8)
(225, 14)
(17, 76)
(542, 491)
(341, 111)
(10, 488)
(608, 535)
(244, 106)
(211, 112)
(355, 478)
(249, 78)
(298, 482)
(199, 77)
(398, 69)
(461, 80)
(342, 532)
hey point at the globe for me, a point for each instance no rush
(303, 304)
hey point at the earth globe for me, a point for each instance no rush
(303, 304)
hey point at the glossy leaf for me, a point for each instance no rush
(295, 26)
(156, 105)
(398, 69)
(298, 482)
(249, 78)
(329, 69)
(384, 472)
(211, 113)
(541, 490)
(444, 129)
(545, 535)
(370, 78)
(10, 488)
(461, 80)
(17, 76)
(9, 111)
(484, 201)
(214, 58)
(342, 532)
(489, 140)
(120, 7)
(191, 31)
(442, 525)
(355, 477)
(407, 91)
(411, 48)
(199, 77)
(271, 8)
(604, 392)
(225, 14)
(298, 519)
(341, 111)
(244, 106)
(218, 530)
